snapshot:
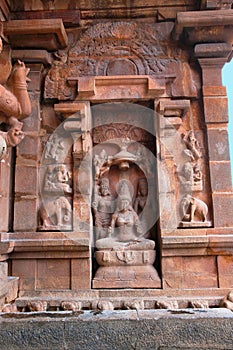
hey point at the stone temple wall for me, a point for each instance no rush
(115, 183)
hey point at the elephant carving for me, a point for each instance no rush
(192, 208)
(56, 212)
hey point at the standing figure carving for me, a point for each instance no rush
(103, 207)
(190, 176)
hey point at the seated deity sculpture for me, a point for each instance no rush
(124, 232)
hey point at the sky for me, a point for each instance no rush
(227, 79)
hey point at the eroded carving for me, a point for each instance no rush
(15, 105)
(134, 304)
(58, 179)
(71, 305)
(56, 213)
(99, 161)
(166, 304)
(193, 212)
(190, 176)
(40, 305)
(139, 54)
(199, 304)
(122, 131)
(54, 147)
(102, 305)
(227, 301)
(193, 148)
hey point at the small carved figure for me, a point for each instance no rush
(53, 148)
(63, 178)
(227, 301)
(197, 178)
(102, 305)
(166, 304)
(186, 176)
(193, 207)
(71, 305)
(146, 159)
(199, 304)
(60, 209)
(37, 305)
(193, 148)
(142, 194)
(10, 308)
(134, 304)
(125, 231)
(57, 179)
(103, 207)
(99, 161)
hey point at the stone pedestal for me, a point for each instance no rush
(126, 269)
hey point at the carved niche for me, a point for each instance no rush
(124, 189)
(120, 48)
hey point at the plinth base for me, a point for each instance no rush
(126, 277)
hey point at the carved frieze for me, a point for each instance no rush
(190, 176)
(119, 131)
(119, 48)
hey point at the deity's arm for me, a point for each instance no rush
(113, 224)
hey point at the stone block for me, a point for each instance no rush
(214, 91)
(4, 210)
(26, 271)
(3, 270)
(220, 176)
(53, 274)
(218, 144)
(81, 274)
(12, 289)
(222, 209)
(32, 123)
(216, 109)
(225, 271)
(25, 214)
(26, 179)
(29, 147)
(5, 172)
(189, 272)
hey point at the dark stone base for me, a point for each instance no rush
(118, 330)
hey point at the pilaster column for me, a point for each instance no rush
(212, 58)
(28, 158)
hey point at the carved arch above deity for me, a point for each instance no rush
(119, 48)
